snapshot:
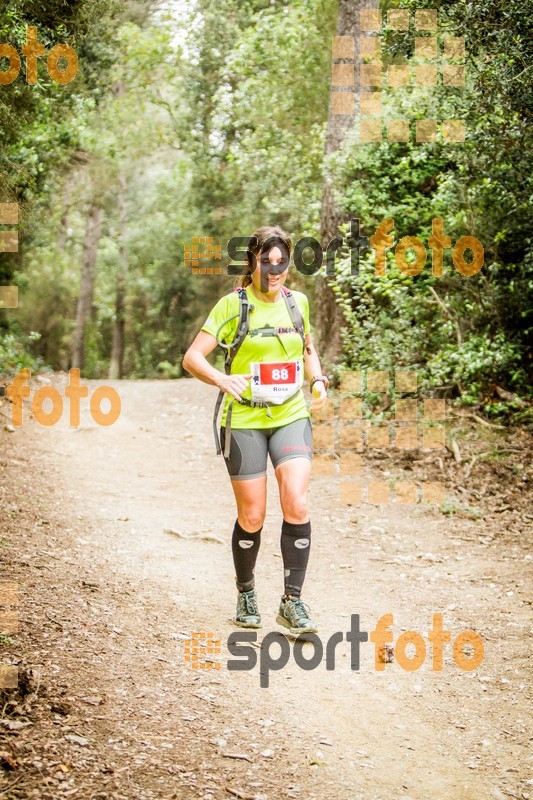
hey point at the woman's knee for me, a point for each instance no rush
(251, 518)
(294, 506)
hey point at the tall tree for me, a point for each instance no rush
(93, 233)
(328, 314)
(117, 350)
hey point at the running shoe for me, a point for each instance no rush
(293, 614)
(247, 614)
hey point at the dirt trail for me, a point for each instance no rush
(118, 597)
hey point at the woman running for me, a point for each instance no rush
(266, 333)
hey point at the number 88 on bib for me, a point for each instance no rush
(275, 381)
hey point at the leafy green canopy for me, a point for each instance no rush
(36, 131)
(464, 334)
(225, 131)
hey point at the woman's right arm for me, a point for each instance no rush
(196, 363)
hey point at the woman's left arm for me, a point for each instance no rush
(312, 370)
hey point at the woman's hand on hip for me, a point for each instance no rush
(234, 384)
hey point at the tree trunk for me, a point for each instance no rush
(93, 233)
(117, 352)
(328, 315)
(65, 208)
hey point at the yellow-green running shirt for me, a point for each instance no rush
(261, 348)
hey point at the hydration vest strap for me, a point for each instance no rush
(227, 439)
(215, 424)
(231, 352)
(294, 313)
(242, 328)
(246, 402)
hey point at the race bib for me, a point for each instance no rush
(275, 381)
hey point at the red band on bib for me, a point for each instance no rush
(277, 372)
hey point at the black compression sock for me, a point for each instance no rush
(295, 546)
(245, 547)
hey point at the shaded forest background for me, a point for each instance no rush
(193, 118)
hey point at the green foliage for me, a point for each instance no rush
(463, 334)
(216, 121)
(15, 353)
(258, 106)
(462, 510)
(36, 122)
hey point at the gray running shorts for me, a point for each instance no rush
(249, 447)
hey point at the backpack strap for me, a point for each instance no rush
(294, 313)
(231, 351)
(242, 328)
